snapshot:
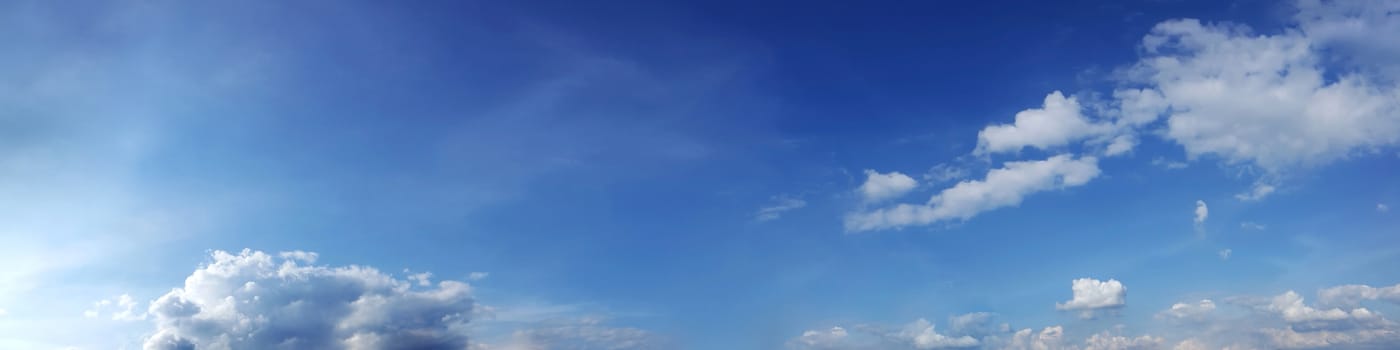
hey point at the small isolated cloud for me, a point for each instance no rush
(820, 339)
(1382, 208)
(1257, 192)
(1202, 212)
(1249, 225)
(477, 276)
(1168, 164)
(254, 300)
(879, 187)
(780, 205)
(1189, 310)
(1225, 253)
(1058, 122)
(1091, 294)
(1002, 187)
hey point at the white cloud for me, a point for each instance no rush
(123, 308)
(1091, 294)
(1256, 192)
(944, 173)
(1291, 308)
(781, 204)
(1168, 164)
(1107, 341)
(820, 339)
(254, 300)
(921, 335)
(1225, 253)
(1263, 99)
(1353, 294)
(583, 334)
(1382, 208)
(1202, 212)
(1189, 310)
(477, 276)
(879, 187)
(1002, 187)
(1050, 338)
(1058, 122)
(1249, 225)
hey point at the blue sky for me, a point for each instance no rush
(699, 175)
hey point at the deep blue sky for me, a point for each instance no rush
(613, 160)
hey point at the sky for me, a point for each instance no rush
(513, 175)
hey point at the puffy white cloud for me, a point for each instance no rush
(1202, 212)
(1263, 99)
(780, 205)
(820, 339)
(1092, 294)
(1189, 310)
(975, 322)
(1225, 253)
(921, 335)
(1107, 341)
(1058, 122)
(1290, 307)
(879, 187)
(1002, 187)
(1353, 294)
(254, 300)
(1050, 338)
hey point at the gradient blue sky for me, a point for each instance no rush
(695, 175)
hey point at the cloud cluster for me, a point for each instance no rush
(1276, 103)
(254, 300)
(1002, 187)
(1284, 321)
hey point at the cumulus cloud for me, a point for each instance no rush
(1263, 99)
(1092, 294)
(255, 300)
(879, 187)
(1284, 321)
(1002, 187)
(780, 205)
(1353, 294)
(1189, 310)
(1058, 122)
(920, 335)
(1108, 341)
(820, 339)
